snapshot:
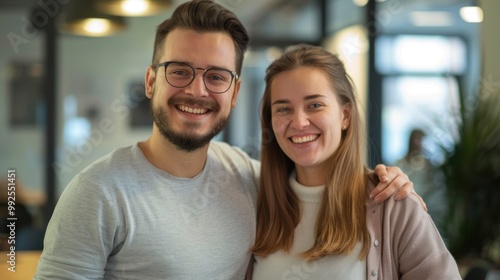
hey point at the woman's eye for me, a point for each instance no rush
(282, 110)
(315, 105)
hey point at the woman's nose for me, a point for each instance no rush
(300, 120)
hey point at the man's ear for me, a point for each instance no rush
(235, 93)
(149, 81)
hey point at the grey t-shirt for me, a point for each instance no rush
(122, 218)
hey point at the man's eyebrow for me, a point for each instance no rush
(210, 66)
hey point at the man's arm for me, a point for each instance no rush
(393, 182)
(79, 235)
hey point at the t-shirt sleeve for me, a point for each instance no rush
(246, 165)
(79, 237)
(256, 170)
(253, 164)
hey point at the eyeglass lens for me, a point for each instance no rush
(181, 75)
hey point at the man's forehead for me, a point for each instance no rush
(205, 48)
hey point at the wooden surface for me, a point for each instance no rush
(25, 265)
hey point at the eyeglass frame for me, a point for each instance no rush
(234, 75)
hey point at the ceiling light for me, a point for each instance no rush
(133, 7)
(360, 3)
(431, 18)
(96, 25)
(81, 18)
(471, 14)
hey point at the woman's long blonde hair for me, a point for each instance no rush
(341, 221)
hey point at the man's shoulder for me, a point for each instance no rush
(222, 146)
(235, 159)
(106, 173)
(119, 159)
(222, 149)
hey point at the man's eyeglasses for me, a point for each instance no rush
(179, 75)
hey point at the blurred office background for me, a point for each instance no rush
(67, 99)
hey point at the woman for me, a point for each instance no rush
(315, 220)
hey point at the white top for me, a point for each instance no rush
(289, 266)
(123, 218)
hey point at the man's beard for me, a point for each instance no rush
(184, 140)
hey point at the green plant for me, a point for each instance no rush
(472, 176)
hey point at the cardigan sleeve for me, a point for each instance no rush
(413, 244)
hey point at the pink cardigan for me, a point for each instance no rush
(405, 244)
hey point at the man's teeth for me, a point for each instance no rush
(298, 140)
(192, 110)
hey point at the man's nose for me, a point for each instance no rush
(197, 86)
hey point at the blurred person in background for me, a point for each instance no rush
(427, 178)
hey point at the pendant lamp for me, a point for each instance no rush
(82, 18)
(133, 8)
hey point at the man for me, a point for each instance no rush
(176, 206)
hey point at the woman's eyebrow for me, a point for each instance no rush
(307, 97)
(313, 96)
(280, 101)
